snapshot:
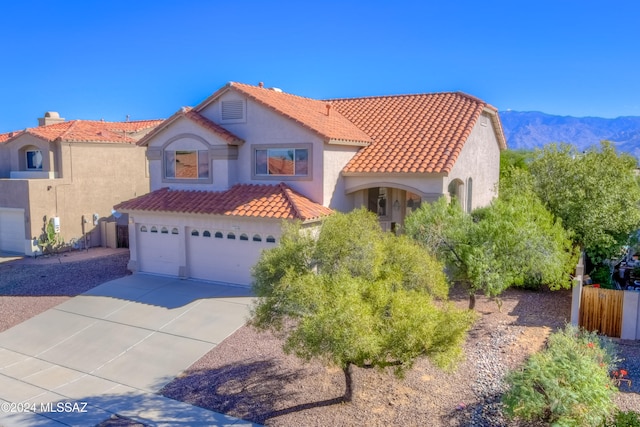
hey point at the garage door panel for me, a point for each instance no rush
(12, 237)
(223, 259)
(159, 253)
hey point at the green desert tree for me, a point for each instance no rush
(596, 194)
(513, 242)
(515, 158)
(352, 295)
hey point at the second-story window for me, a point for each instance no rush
(186, 164)
(34, 160)
(282, 162)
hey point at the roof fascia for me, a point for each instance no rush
(497, 126)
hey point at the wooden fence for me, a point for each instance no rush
(601, 310)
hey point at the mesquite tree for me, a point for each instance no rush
(352, 295)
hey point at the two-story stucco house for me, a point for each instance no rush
(226, 173)
(73, 171)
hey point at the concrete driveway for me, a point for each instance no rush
(109, 351)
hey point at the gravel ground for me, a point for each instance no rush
(248, 376)
(30, 286)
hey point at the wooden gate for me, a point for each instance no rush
(122, 236)
(601, 310)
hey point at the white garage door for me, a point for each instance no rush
(223, 256)
(12, 230)
(158, 249)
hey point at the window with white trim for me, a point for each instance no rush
(186, 164)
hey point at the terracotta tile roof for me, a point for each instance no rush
(190, 114)
(92, 131)
(4, 137)
(250, 200)
(310, 113)
(413, 133)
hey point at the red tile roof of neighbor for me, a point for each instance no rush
(4, 137)
(421, 133)
(264, 201)
(91, 131)
(190, 114)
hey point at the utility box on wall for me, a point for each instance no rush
(56, 223)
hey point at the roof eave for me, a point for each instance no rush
(394, 174)
(497, 125)
(348, 142)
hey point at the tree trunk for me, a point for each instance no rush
(348, 391)
(472, 300)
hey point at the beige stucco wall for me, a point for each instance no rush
(335, 158)
(187, 135)
(93, 178)
(265, 127)
(480, 160)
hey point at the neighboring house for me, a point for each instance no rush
(225, 174)
(73, 171)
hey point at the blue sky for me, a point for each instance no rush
(146, 59)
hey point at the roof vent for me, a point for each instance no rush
(276, 89)
(261, 84)
(50, 118)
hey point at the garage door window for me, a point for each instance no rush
(219, 235)
(154, 229)
(195, 233)
(206, 233)
(231, 236)
(257, 238)
(271, 239)
(143, 229)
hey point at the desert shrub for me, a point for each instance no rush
(625, 419)
(566, 384)
(602, 275)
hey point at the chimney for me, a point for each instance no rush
(50, 118)
(328, 108)
(261, 85)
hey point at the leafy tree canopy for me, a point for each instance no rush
(595, 193)
(514, 241)
(515, 158)
(354, 295)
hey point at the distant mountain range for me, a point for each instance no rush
(532, 129)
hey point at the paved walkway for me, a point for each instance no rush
(110, 350)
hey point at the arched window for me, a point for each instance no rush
(195, 233)
(164, 230)
(143, 228)
(231, 236)
(244, 237)
(206, 233)
(456, 192)
(154, 229)
(271, 239)
(469, 194)
(257, 238)
(174, 231)
(219, 235)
